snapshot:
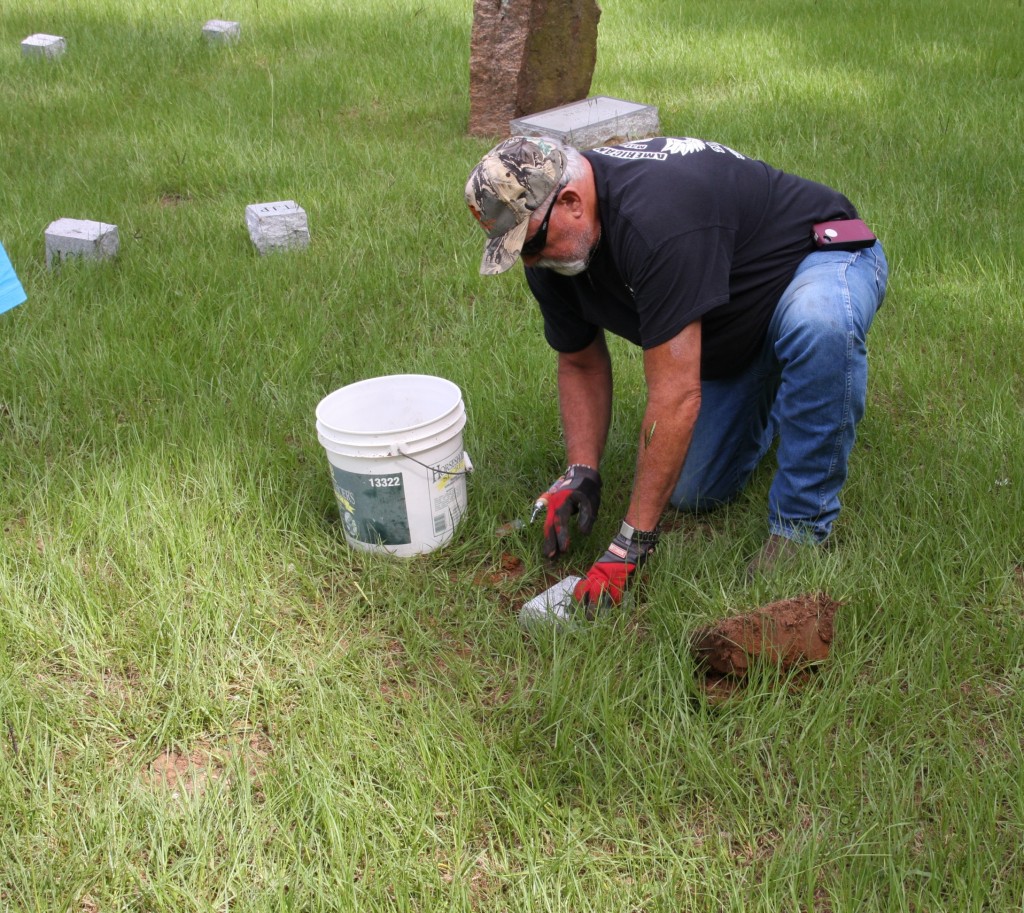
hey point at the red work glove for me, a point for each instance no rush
(607, 580)
(577, 490)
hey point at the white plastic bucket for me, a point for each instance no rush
(394, 445)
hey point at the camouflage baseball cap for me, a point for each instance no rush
(506, 188)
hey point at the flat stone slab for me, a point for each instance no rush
(41, 45)
(277, 226)
(222, 30)
(596, 121)
(80, 238)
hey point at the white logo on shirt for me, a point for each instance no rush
(688, 144)
(684, 145)
(630, 154)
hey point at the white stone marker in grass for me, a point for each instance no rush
(41, 45)
(222, 30)
(591, 122)
(80, 238)
(277, 226)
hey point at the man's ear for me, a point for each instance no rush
(571, 198)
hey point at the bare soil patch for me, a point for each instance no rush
(191, 772)
(174, 199)
(509, 568)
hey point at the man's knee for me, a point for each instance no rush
(817, 328)
(690, 497)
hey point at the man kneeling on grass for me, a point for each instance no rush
(751, 317)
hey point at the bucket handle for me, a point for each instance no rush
(462, 472)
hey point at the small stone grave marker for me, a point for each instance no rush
(591, 122)
(80, 238)
(277, 226)
(41, 45)
(222, 31)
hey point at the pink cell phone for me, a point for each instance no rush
(843, 234)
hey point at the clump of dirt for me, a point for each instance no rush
(792, 633)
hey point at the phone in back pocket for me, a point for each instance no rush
(843, 234)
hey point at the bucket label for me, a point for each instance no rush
(446, 486)
(372, 507)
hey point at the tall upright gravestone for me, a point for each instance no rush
(527, 56)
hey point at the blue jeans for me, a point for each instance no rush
(808, 385)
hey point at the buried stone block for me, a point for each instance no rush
(277, 226)
(80, 238)
(222, 31)
(592, 122)
(43, 46)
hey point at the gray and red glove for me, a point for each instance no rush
(576, 491)
(607, 580)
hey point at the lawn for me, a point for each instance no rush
(209, 702)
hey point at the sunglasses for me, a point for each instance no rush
(537, 243)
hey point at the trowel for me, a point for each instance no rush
(553, 606)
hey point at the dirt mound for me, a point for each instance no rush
(793, 633)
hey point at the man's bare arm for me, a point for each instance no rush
(673, 403)
(585, 401)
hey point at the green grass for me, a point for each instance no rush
(208, 702)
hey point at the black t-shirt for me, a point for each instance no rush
(689, 229)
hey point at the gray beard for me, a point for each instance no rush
(570, 267)
(565, 267)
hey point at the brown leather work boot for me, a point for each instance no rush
(777, 549)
